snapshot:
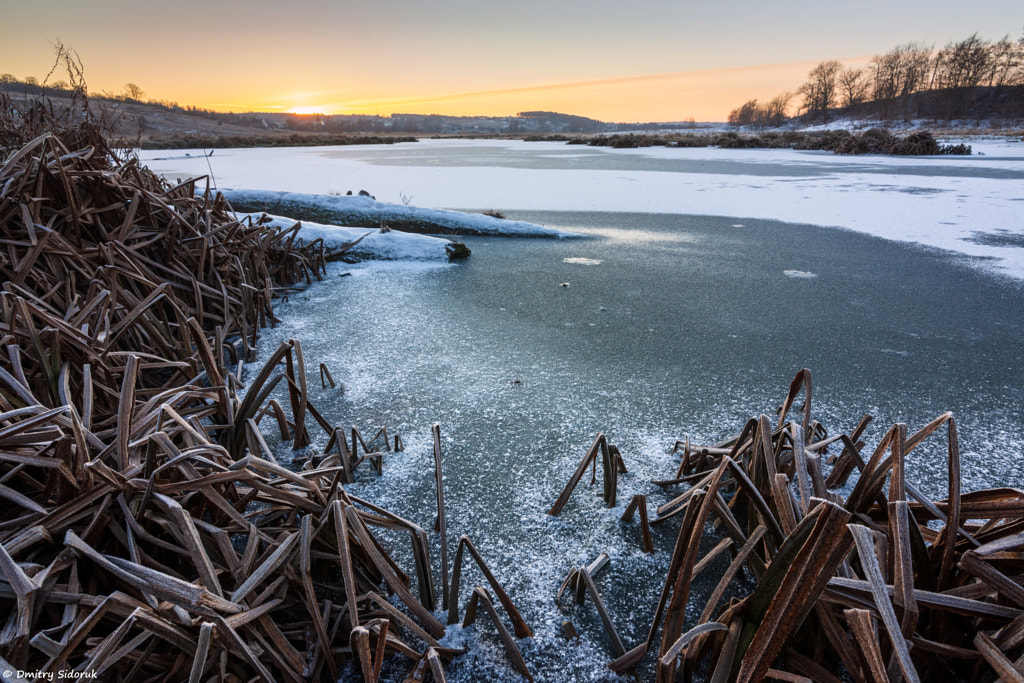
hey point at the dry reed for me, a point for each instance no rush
(881, 585)
(148, 532)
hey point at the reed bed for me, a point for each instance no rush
(880, 585)
(148, 532)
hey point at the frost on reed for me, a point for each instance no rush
(148, 532)
(882, 584)
(137, 536)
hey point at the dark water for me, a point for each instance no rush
(686, 326)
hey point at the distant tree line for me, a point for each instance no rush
(762, 114)
(532, 121)
(974, 78)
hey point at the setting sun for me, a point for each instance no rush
(499, 232)
(668, 62)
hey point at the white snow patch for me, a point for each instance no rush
(800, 274)
(947, 202)
(390, 246)
(356, 209)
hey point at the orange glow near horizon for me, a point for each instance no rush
(702, 95)
(653, 60)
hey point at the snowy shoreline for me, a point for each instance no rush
(970, 206)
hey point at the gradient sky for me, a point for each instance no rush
(641, 60)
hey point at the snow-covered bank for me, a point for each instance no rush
(361, 210)
(373, 243)
(970, 205)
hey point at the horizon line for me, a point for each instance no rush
(363, 106)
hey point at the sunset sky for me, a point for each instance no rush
(644, 60)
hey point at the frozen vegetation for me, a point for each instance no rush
(707, 278)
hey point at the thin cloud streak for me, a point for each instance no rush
(463, 57)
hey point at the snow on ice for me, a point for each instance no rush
(970, 205)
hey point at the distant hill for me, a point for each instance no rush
(168, 124)
(562, 123)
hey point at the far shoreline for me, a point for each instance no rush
(723, 137)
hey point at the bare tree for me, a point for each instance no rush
(746, 115)
(898, 75)
(1005, 69)
(854, 86)
(775, 110)
(885, 80)
(917, 62)
(1006, 63)
(820, 89)
(753, 113)
(963, 64)
(959, 69)
(133, 92)
(974, 75)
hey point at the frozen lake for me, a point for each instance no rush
(702, 285)
(971, 205)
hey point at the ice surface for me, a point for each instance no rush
(690, 325)
(948, 202)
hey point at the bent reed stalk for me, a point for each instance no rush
(148, 532)
(883, 584)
